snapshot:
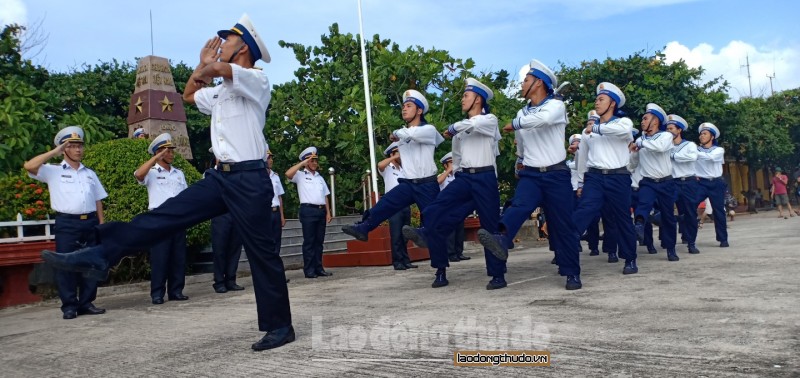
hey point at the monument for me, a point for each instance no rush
(156, 106)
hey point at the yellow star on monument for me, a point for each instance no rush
(139, 105)
(166, 104)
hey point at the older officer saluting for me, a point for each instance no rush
(656, 186)
(238, 107)
(168, 257)
(315, 211)
(75, 195)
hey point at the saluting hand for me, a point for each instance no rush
(210, 52)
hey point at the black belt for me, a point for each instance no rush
(477, 170)
(687, 178)
(86, 216)
(562, 166)
(418, 180)
(615, 171)
(248, 165)
(307, 205)
(657, 179)
(275, 208)
(710, 179)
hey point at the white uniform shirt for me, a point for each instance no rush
(606, 147)
(541, 133)
(684, 158)
(475, 142)
(573, 170)
(238, 112)
(71, 191)
(311, 187)
(635, 169)
(277, 187)
(447, 181)
(709, 161)
(654, 151)
(416, 147)
(162, 184)
(390, 176)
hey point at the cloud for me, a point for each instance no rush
(729, 62)
(13, 12)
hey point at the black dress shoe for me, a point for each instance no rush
(410, 266)
(352, 230)
(70, 314)
(462, 257)
(234, 287)
(415, 235)
(158, 301)
(90, 262)
(221, 289)
(322, 273)
(496, 283)
(91, 310)
(178, 297)
(311, 275)
(453, 259)
(399, 267)
(275, 338)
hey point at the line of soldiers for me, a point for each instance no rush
(612, 172)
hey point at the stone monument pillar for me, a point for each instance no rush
(156, 106)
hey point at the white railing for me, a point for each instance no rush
(20, 225)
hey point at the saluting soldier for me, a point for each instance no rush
(474, 187)
(603, 165)
(315, 211)
(391, 169)
(684, 158)
(710, 158)
(416, 143)
(238, 107)
(167, 257)
(545, 179)
(656, 186)
(75, 195)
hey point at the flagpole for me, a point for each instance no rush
(370, 133)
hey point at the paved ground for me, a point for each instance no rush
(723, 312)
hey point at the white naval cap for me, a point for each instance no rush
(657, 111)
(308, 153)
(674, 119)
(710, 127)
(138, 132)
(245, 29)
(162, 141)
(473, 85)
(593, 116)
(611, 90)
(539, 70)
(68, 134)
(417, 98)
(392, 148)
(447, 157)
(574, 137)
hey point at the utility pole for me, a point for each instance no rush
(771, 91)
(747, 57)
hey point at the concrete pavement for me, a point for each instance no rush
(726, 311)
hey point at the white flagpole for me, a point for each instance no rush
(367, 95)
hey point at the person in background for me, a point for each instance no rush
(779, 193)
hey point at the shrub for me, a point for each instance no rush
(23, 195)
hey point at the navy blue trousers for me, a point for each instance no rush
(613, 192)
(467, 193)
(276, 229)
(648, 226)
(75, 291)
(313, 221)
(714, 190)
(661, 194)
(227, 246)
(455, 242)
(402, 196)
(168, 266)
(687, 208)
(552, 191)
(399, 243)
(247, 195)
